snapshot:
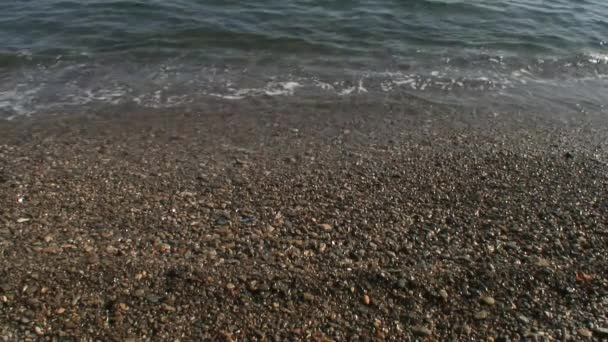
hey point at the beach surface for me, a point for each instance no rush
(303, 221)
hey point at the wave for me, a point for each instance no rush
(180, 83)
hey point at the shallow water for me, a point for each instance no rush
(533, 55)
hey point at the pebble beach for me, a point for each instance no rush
(271, 225)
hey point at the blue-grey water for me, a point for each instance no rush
(536, 55)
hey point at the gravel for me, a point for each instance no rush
(242, 230)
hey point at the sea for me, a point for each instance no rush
(88, 56)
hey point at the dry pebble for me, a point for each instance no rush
(481, 315)
(326, 227)
(603, 332)
(584, 332)
(421, 331)
(488, 300)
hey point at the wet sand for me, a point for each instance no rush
(274, 225)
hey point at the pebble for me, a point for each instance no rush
(481, 315)
(584, 332)
(169, 308)
(419, 330)
(326, 227)
(601, 331)
(523, 319)
(38, 331)
(153, 298)
(543, 262)
(503, 338)
(444, 294)
(308, 297)
(22, 220)
(367, 300)
(488, 300)
(163, 247)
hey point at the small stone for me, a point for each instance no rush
(51, 250)
(322, 247)
(60, 311)
(503, 338)
(222, 221)
(601, 331)
(163, 247)
(111, 249)
(466, 329)
(422, 331)
(367, 300)
(481, 315)
(22, 220)
(326, 227)
(443, 294)
(584, 332)
(38, 331)
(230, 286)
(123, 307)
(488, 300)
(152, 298)
(308, 297)
(543, 262)
(169, 308)
(523, 319)
(24, 320)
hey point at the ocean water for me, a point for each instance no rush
(90, 55)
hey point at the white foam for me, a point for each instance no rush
(598, 58)
(360, 87)
(324, 86)
(347, 91)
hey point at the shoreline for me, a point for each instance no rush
(265, 224)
